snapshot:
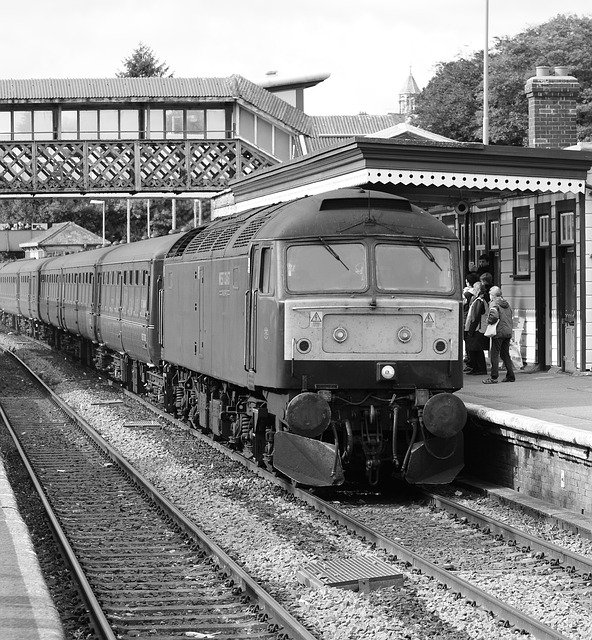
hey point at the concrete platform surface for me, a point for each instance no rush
(27, 611)
(551, 403)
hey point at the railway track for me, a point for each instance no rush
(456, 578)
(143, 569)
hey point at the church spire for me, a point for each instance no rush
(408, 94)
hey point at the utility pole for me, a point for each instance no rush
(129, 221)
(486, 77)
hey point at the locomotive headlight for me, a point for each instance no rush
(440, 346)
(404, 334)
(387, 372)
(303, 345)
(340, 334)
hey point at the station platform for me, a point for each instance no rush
(530, 442)
(27, 611)
(555, 399)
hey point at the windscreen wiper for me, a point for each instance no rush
(332, 252)
(429, 255)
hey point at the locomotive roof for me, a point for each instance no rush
(343, 213)
(352, 212)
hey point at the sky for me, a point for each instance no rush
(368, 46)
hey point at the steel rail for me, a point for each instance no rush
(472, 593)
(270, 606)
(98, 619)
(504, 611)
(571, 559)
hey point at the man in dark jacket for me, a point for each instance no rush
(483, 265)
(500, 312)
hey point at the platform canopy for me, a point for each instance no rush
(426, 173)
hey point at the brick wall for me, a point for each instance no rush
(558, 472)
(551, 109)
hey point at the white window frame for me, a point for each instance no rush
(480, 237)
(566, 227)
(545, 230)
(494, 234)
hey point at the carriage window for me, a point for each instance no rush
(327, 267)
(413, 268)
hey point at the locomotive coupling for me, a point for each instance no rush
(444, 415)
(308, 414)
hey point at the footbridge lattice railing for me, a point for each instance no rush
(125, 165)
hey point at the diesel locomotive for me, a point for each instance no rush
(321, 337)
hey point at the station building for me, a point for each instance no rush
(528, 209)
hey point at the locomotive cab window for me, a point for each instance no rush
(413, 268)
(326, 266)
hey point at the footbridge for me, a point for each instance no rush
(78, 167)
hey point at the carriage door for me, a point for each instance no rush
(566, 293)
(252, 295)
(543, 302)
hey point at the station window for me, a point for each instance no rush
(196, 123)
(129, 124)
(103, 124)
(26, 125)
(566, 227)
(174, 123)
(264, 135)
(22, 125)
(479, 238)
(494, 234)
(5, 125)
(268, 137)
(186, 123)
(521, 242)
(89, 124)
(544, 231)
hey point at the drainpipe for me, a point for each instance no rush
(581, 210)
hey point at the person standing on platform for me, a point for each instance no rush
(475, 325)
(487, 281)
(483, 265)
(500, 312)
(468, 294)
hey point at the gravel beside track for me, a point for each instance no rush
(531, 585)
(271, 534)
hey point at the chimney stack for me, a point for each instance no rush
(552, 108)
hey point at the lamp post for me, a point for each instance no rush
(102, 202)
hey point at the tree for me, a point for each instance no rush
(452, 100)
(143, 64)
(453, 90)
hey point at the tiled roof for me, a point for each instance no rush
(64, 233)
(271, 104)
(332, 130)
(139, 89)
(359, 125)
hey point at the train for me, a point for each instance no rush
(320, 337)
